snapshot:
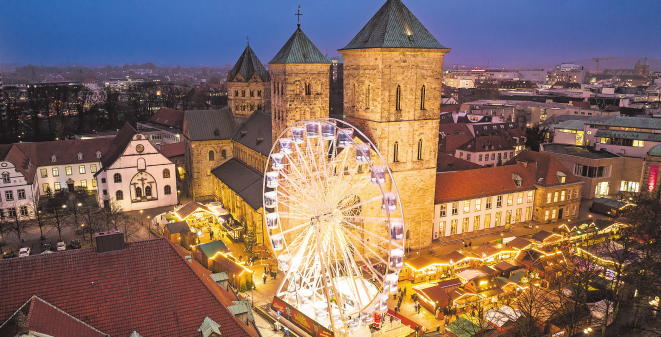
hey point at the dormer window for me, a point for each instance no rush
(53, 158)
(80, 156)
(561, 177)
(517, 179)
(98, 154)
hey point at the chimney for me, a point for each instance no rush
(109, 241)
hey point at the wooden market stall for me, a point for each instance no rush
(172, 230)
(205, 252)
(432, 298)
(238, 273)
(426, 268)
(196, 214)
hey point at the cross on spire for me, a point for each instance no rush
(299, 16)
(248, 39)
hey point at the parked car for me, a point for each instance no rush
(75, 244)
(25, 251)
(45, 247)
(8, 255)
(61, 246)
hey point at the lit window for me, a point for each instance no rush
(44, 173)
(499, 201)
(464, 225)
(546, 215)
(555, 197)
(519, 199)
(478, 205)
(81, 169)
(68, 170)
(553, 214)
(562, 196)
(56, 172)
(510, 199)
(488, 206)
(93, 182)
(57, 186)
(453, 227)
(455, 206)
(93, 168)
(548, 198)
(46, 187)
(498, 217)
(530, 195)
(443, 210)
(83, 183)
(476, 223)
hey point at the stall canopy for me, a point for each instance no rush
(211, 248)
(487, 270)
(424, 262)
(470, 274)
(542, 236)
(176, 227)
(225, 217)
(499, 317)
(191, 208)
(484, 251)
(453, 257)
(519, 243)
(436, 294)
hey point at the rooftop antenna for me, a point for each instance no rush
(248, 39)
(298, 16)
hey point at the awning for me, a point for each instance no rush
(225, 217)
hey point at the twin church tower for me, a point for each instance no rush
(392, 85)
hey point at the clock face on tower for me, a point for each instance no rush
(140, 148)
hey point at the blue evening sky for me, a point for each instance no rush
(212, 32)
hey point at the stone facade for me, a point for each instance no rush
(246, 96)
(241, 211)
(559, 207)
(393, 95)
(250, 157)
(200, 162)
(290, 101)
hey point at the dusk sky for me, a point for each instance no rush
(507, 33)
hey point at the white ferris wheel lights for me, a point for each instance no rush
(381, 303)
(277, 242)
(272, 179)
(363, 153)
(378, 175)
(396, 229)
(391, 283)
(283, 262)
(344, 137)
(327, 131)
(389, 201)
(297, 134)
(272, 220)
(277, 161)
(270, 199)
(285, 145)
(396, 258)
(312, 129)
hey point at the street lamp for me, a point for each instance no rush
(587, 331)
(141, 224)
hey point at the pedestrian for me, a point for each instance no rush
(264, 269)
(394, 296)
(438, 328)
(264, 277)
(210, 235)
(404, 291)
(417, 330)
(286, 331)
(424, 329)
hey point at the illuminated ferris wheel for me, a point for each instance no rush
(335, 221)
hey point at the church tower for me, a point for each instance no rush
(392, 92)
(300, 76)
(248, 86)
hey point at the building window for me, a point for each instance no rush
(553, 214)
(68, 170)
(519, 199)
(530, 194)
(243, 93)
(476, 223)
(573, 211)
(508, 217)
(488, 205)
(367, 97)
(53, 158)
(510, 199)
(396, 152)
(555, 196)
(441, 228)
(45, 186)
(499, 201)
(498, 217)
(236, 93)
(93, 182)
(11, 212)
(443, 210)
(259, 93)
(467, 206)
(455, 206)
(468, 156)
(166, 173)
(398, 98)
(591, 171)
(24, 211)
(487, 220)
(422, 98)
(478, 205)
(208, 172)
(493, 156)
(57, 186)
(93, 168)
(21, 194)
(117, 177)
(461, 155)
(147, 191)
(6, 178)
(138, 192)
(562, 195)
(44, 173)
(9, 195)
(528, 215)
(308, 90)
(119, 195)
(252, 93)
(211, 155)
(518, 215)
(81, 169)
(479, 158)
(629, 186)
(453, 227)
(464, 225)
(548, 198)
(105, 192)
(420, 149)
(576, 193)
(56, 172)
(167, 189)
(98, 154)
(83, 183)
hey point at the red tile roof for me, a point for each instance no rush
(469, 184)
(66, 151)
(450, 108)
(21, 160)
(451, 142)
(581, 104)
(44, 318)
(447, 163)
(173, 150)
(547, 168)
(169, 117)
(118, 145)
(148, 288)
(454, 129)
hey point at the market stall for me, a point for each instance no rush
(196, 215)
(239, 274)
(426, 268)
(432, 298)
(234, 229)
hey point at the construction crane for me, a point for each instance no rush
(597, 59)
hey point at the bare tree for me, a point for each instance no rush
(37, 206)
(534, 304)
(58, 220)
(16, 223)
(93, 222)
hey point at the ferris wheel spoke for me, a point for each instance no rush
(372, 199)
(307, 224)
(370, 219)
(367, 246)
(372, 235)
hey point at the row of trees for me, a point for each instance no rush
(64, 210)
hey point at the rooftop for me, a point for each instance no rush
(579, 151)
(548, 168)
(631, 122)
(169, 117)
(247, 66)
(243, 180)
(299, 49)
(209, 124)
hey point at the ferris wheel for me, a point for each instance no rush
(335, 221)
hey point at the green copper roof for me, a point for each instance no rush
(299, 49)
(655, 151)
(394, 26)
(247, 65)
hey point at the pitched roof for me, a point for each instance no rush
(248, 65)
(435, 293)
(547, 168)
(255, 133)
(453, 129)
(118, 145)
(629, 122)
(189, 208)
(169, 117)
(423, 262)
(448, 163)
(173, 150)
(177, 227)
(299, 49)
(470, 184)
(66, 151)
(243, 180)
(21, 161)
(44, 318)
(122, 291)
(209, 124)
(486, 144)
(453, 282)
(648, 136)
(394, 26)
(541, 236)
(453, 256)
(211, 248)
(452, 142)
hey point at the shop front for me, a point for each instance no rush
(426, 269)
(433, 298)
(196, 215)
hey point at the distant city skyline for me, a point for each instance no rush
(511, 34)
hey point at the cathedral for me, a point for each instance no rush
(392, 74)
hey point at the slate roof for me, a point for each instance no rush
(435, 293)
(247, 65)
(448, 163)
(211, 248)
(486, 144)
(118, 145)
(191, 207)
(299, 49)
(482, 182)
(148, 287)
(66, 151)
(394, 26)
(578, 125)
(648, 136)
(579, 151)
(210, 124)
(243, 180)
(177, 227)
(541, 236)
(630, 122)
(450, 142)
(169, 117)
(255, 133)
(44, 318)
(423, 262)
(173, 150)
(519, 243)
(547, 168)
(655, 151)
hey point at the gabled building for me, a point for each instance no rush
(248, 85)
(134, 175)
(486, 150)
(164, 127)
(18, 186)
